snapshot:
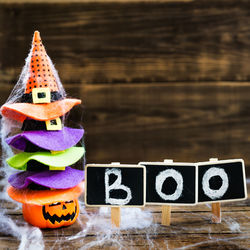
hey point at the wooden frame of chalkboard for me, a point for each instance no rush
(234, 181)
(119, 166)
(175, 164)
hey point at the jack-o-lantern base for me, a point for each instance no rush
(55, 215)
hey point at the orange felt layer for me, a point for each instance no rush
(40, 112)
(41, 197)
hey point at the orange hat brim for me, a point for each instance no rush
(40, 112)
(42, 197)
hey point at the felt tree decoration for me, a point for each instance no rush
(47, 187)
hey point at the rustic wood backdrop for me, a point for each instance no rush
(158, 79)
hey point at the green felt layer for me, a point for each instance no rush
(62, 159)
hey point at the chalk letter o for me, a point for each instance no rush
(215, 193)
(162, 176)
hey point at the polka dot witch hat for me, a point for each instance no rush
(41, 74)
(39, 94)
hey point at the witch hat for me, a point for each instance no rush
(55, 161)
(47, 140)
(41, 73)
(41, 197)
(49, 179)
(43, 96)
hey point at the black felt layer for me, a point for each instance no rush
(33, 165)
(29, 124)
(55, 96)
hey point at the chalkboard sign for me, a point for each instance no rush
(171, 183)
(221, 181)
(115, 185)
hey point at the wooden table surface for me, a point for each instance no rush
(191, 228)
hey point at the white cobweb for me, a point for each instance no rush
(99, 222)
(9, 126)
(19, 88)
(30, 237)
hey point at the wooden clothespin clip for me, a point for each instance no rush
(115, 211)
(166, 209)
(216, 209)
(165, 215)
(116, 216)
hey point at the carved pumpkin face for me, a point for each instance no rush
(53, 215)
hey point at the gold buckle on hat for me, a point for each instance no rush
(41, 95)
(56, 168)
(55, 124)
(56, 152)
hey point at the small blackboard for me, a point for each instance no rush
(171, 183)
(221, 181)
(115, 185)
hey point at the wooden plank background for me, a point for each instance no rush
(132, 42)
(158, 79)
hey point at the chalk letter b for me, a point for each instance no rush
(116, 186)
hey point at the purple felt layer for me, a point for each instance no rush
(56, 179)
(49, 140)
